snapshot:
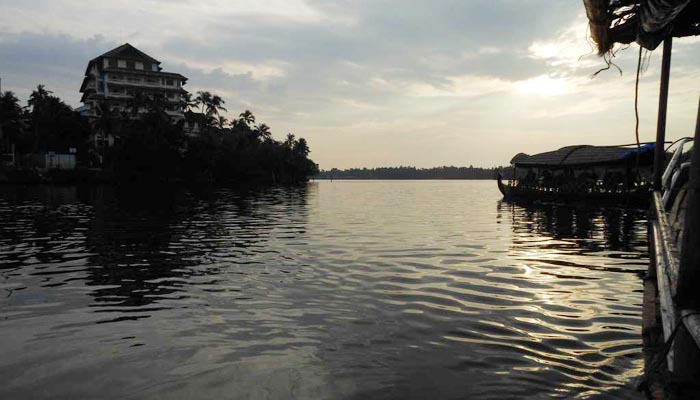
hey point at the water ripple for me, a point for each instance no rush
(333, 290)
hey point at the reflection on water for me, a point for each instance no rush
(334, 290)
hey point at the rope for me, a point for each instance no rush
(636, 110)
(660, 357)
(672, 144)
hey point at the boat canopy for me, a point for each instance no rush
(586, 155)
(648, 22)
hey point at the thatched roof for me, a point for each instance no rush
(647, 22)
(585, 155)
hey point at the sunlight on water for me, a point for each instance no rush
(372, 289)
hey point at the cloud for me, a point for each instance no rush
(366, 82)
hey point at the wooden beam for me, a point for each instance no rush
(659, 154)
(688, 295)
(665, 248)
(668, 312)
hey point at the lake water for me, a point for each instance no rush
(345, 289)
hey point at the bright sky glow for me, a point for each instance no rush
(543, 85)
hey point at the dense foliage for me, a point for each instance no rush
(137, 145)
(45, 124)
(470, 172)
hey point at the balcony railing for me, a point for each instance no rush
(141, 83)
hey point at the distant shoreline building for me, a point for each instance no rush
(124, 77)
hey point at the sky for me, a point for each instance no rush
(371, 83)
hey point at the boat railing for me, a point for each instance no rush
(581, 186)
(666, 232)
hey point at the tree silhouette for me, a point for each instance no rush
(11, 121)
(187, 102)
(38, 97)
(221, 122)
(247, 117)
(301, 148)
(210, 104)
(262, 132)
(290, 141)
(151, 145)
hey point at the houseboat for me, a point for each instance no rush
(602, 174)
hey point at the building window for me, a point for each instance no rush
(121, 63)
(154, 67)
(105, 62)
(168, 81)
(138, 65)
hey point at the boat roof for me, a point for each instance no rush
(647, 22)
(586, 155)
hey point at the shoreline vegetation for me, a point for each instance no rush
(130, 146)
(402, 172)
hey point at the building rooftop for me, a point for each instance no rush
(128, 52)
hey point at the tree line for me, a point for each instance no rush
(147, 145)
(402, 172)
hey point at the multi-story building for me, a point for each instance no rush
(124, 79)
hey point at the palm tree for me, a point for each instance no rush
(38, 96)
(11, 113)
(247, 117)
(301, 148)
(262, 132)
(202, 99)
(41, 121)
(221, 122)
(289, 142)
(210, 104)
(188, 103)
(216, 105)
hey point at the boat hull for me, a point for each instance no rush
(628, 198)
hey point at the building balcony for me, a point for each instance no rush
(156, 85)
(112, 95)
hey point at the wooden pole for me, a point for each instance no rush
(659, 154)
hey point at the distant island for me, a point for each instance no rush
(445, 172)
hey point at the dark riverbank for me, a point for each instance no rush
(58, 177)
(94, 177)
